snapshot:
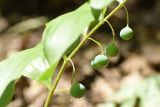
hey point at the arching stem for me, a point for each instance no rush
(98, 43)
(113, 32)
(127, 15)
(73, 79)
(66, 60)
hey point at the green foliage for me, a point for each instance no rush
(60, 37)
(72, 47)
(7, 94)
(100, 4)
(99, 62)
(13, 68)
(62, 32)
(40, 62)
(77, 90)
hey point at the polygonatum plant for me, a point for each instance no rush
(61, 40)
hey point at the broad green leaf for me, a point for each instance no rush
(62, 32)
(7, 95)
(20, 64)
(100, 4)
(38, 66)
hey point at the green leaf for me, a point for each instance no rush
(62, 32)
(15, 66)
(100, 4)
(7, 95)
(37, 66)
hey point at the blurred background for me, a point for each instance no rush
(131, 80)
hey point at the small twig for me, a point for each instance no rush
(127, 15)
(113, 32)
(98, 43)
(73, 80)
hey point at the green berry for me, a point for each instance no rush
(126, 33)
(77, 90)
(112, 50)
(99, 62)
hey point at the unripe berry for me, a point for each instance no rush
(77, 90)
(126, 33)
(112, 50)
(99, 62)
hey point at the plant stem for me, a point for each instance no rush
(113, 32)
(56, 82)
(66, 60)
(98, 43)
(127, 15)
(73, 78)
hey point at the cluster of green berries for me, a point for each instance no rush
(78, 90)
(111, 50)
